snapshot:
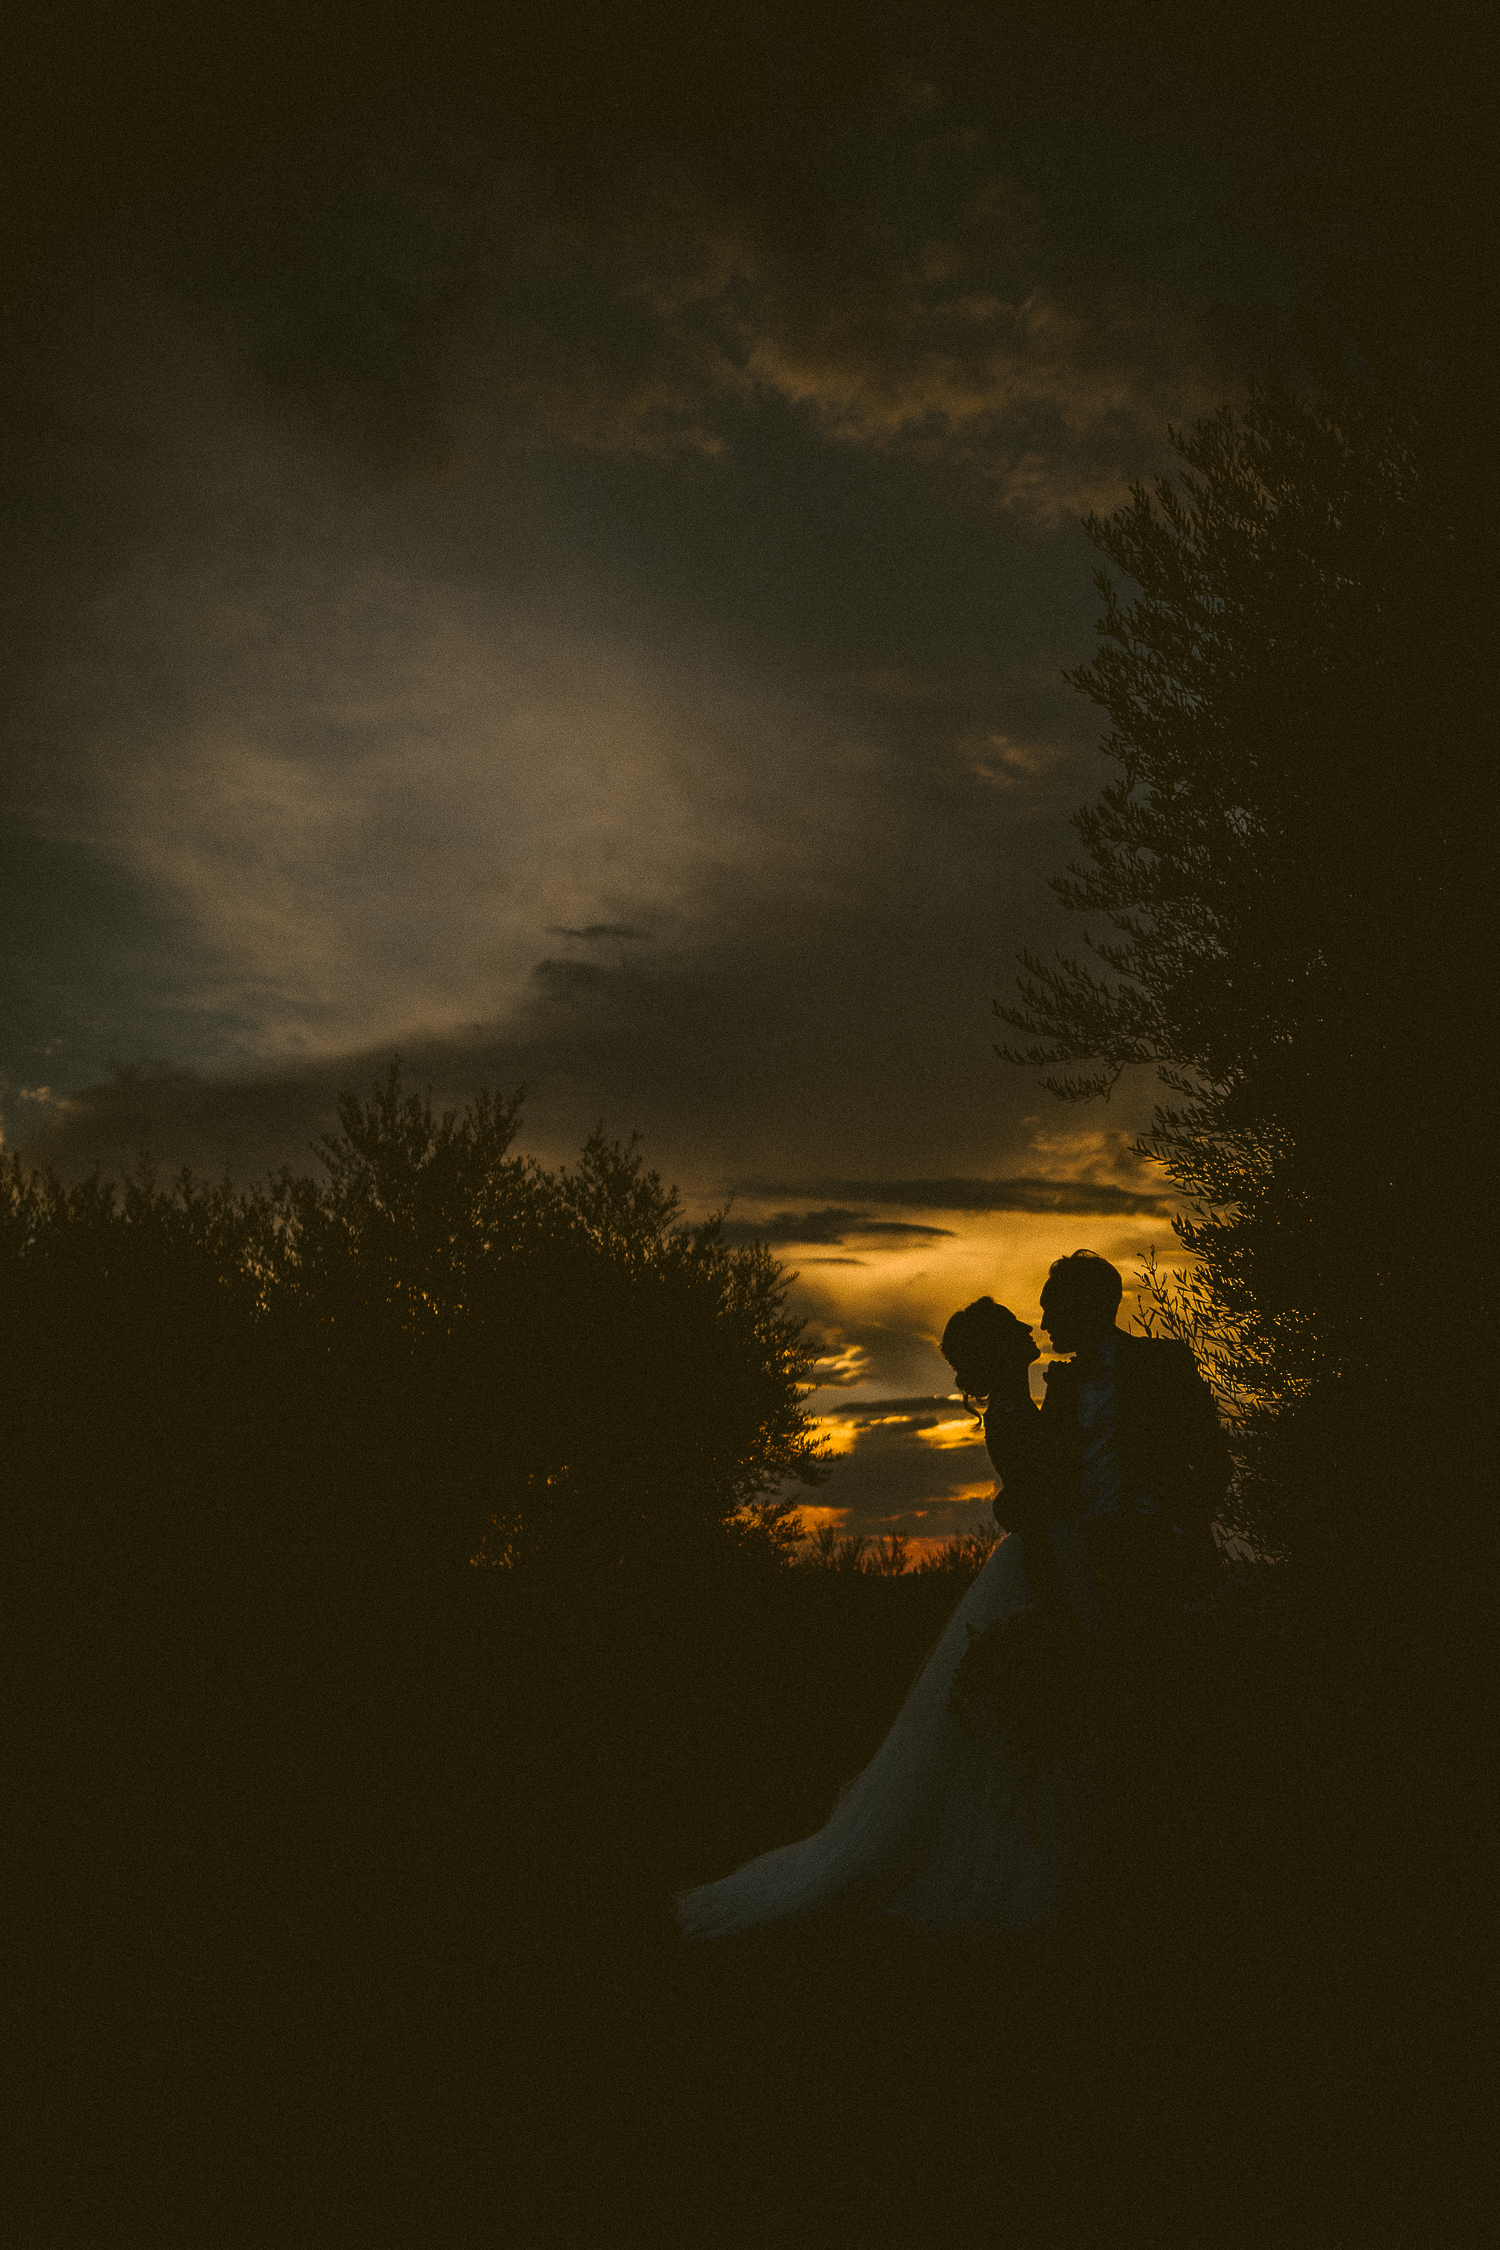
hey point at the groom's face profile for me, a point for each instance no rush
(1070, 1320)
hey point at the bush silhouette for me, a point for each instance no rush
(438, 1351)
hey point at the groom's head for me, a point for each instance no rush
(1080, 1298)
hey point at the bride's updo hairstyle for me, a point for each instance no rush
(973, 1336)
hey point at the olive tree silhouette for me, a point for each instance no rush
(539, 1366)
(1288, 900)
(436, 1351)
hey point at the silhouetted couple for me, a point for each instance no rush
(1037, 1761)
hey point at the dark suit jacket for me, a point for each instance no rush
(1171, 1444)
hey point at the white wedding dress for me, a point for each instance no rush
(942, 1831)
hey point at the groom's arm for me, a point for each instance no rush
(1191, 1428)
(1206, 1445)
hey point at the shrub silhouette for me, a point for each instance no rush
(438, 1351)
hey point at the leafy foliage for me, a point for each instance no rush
(1287, 897)
(439, 1347)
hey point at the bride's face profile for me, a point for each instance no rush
(998, 1354)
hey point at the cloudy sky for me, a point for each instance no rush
(546, 545)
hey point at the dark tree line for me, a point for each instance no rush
(438, 1350)
(1288, 885)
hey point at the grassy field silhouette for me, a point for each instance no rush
(353, 1923)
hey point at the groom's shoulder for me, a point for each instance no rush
(1166, 1356)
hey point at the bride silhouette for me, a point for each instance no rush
(1025, 1760)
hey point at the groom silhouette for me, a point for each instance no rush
(1128, 1442)
(1129, 1445)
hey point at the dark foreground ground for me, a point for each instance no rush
(344, 1919)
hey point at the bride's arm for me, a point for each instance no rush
(1011, 1421)
(1013, 1439)
(1027, 1502)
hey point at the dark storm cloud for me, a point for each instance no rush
(569, 978)
(1095, 1198)
(973, 263)
(599, 930)
(342, 827)
(829, 1227)
(913, 1413)
(373, 210)
(587, 480)
(242, 1128)
(928, 299)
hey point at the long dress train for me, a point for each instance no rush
(943, 1831)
